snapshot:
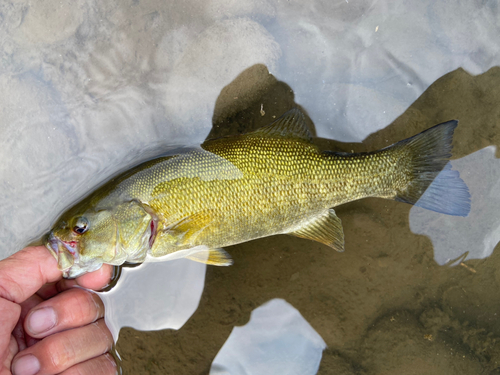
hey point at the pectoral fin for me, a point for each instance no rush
(187, 229)
(326, 229)
(214, 257)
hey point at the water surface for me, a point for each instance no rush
(90, 88)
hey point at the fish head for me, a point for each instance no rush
(83, 240)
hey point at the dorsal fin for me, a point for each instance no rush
(291, 125)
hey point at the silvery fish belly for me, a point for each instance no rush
(238, 188)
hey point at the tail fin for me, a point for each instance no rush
(434, 185)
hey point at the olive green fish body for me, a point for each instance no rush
(272, 181)
(282, 185)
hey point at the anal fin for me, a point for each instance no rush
(326, 229)
(214, 257)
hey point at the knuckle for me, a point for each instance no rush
(102, 365)
(9, 288)
(75, 370)
(63, 350)
(105, 335)
(95, 305)
(81, 307)
(57, 354)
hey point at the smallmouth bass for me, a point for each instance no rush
(238, 188)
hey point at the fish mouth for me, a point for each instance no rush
(65, 252)
(68, 258)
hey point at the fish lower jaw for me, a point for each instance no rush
(77, 270)
(65, 252)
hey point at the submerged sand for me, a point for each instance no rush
(384, 306)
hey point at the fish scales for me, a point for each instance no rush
(282, 182)
(238, 188)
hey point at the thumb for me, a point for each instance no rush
(23, 273)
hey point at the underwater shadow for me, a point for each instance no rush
(386, 268)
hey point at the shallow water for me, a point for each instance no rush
(90, 88)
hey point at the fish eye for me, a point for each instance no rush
(81, 225)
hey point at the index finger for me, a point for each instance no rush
(23, 273)
(95, 280)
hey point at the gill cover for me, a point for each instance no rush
(115, 236)
(121, 233)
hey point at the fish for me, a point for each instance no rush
(234, 189)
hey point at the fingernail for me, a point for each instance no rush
(42, 320)
(27, 365)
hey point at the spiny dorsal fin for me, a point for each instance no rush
(326, 229)
(291, 125)
(214, 257)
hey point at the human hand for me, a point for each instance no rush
(47, 326)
